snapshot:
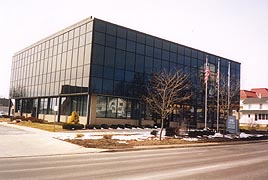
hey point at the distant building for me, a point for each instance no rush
(98, 69)
(254, 108)
(4, 104)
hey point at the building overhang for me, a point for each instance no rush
(254, 111)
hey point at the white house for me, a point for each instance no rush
(254, 108)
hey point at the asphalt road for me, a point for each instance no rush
(245, 161)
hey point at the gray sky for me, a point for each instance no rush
(235, 29)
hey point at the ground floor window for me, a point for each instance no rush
(124, 108)
(261, 117)
(53, 105)
(118, 108)
(74, 103)
(50, 105)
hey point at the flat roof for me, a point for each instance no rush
(91, 18)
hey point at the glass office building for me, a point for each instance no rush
(99, 69)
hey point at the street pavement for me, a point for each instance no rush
(223, 162)
(17, 141)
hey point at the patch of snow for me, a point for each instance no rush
(190, 139)
(122, 142)
(244, 135)
(92, 137)
(259, 135)
(121, 134)
(219, 135)
(229, 136)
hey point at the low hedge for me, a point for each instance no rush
(196, 133)
(170, 131)
(104, 126)
(129, 126)
(121, 126)
(72, 126)
(89, 126)
(141, 126)
(114, 126)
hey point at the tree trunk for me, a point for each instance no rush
(161, 130)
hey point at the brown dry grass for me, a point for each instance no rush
(167, 141)
(4, 119)
(108, 143)
(46, 127)
(104, 143)
(43, 126)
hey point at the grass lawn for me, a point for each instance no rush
(43, 126)
(4, 120)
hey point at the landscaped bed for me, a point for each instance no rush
(109, 143)
(121, 141)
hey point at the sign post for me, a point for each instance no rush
(232, 125)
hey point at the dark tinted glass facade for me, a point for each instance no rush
(111, 63)
(123, 60)
(58, 65)
(55, 66)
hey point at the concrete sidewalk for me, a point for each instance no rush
(17, 141)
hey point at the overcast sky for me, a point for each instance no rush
(235, 29)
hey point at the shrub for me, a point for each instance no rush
(104, 126)
(79, 126)
(141, 126)
(196, 133)
(97, 126)
(89, 126)
(121, 126)
(129, 126)
(74, 118)
(134, 126)
(170, 131)
(114, 126)
(18, 117)
(79, 135)
(69, 126)
(154, 132)
(35, 120)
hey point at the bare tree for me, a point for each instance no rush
(165, 90)
(225, 104)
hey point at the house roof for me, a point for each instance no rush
(261, 91)
(247, 94)
(254, 93)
